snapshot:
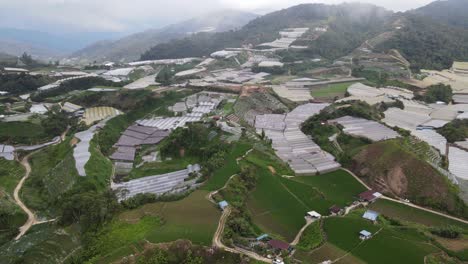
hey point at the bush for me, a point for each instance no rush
(438, 92)
(451, 232)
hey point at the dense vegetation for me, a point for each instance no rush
(36, 131)
(352, 23)
(454, 131)
(450, 12)
(22, 83)
(438, 92)
(428, 44)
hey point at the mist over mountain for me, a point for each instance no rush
(131, 47)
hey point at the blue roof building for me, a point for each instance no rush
(371, 215)
(264, 236)
(364, 234)
(223, 205)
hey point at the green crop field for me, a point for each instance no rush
(336, 188)
(410, 214)
(279, 205)
(343, 232)
(326, 252)
(42, 244)
(395, 246)
(220, 176)
(387, 245)
(193, 218)
(331, 91)
(22, 133)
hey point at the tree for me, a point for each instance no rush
(27, 59)
(438, 92)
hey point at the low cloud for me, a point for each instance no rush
(135, 15)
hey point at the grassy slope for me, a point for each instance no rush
(230, 167)
(43, 244)
(405, 213)
(193, 218)
(331, 91)
(22, 133)
(53, 172)
(12, 216)
(99, 168)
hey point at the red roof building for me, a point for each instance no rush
(277, 244)
(369, 196)
(335, 209)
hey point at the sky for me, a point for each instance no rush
(136, 15)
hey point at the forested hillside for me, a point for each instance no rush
(450, 12)
(428, 44)
(350, 25)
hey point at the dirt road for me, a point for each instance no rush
(32, 220)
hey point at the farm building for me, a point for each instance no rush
(142, 83)
(38, 109)
(335, 210)
(369, 196)
(279, 245)
(460, 68)
(7, 152)
(364, 235)
(158, 184)
(132, 138)
(94, 114)
(365, 128)
(270, 64)
(314, 215)
(460, 98)
(224, 54)
(370, 215)
(71, 108)
(81, 152)
(294, 147)
(223, 205)
(10, 70)
(190, 72)
(457, 162)
(277, 260)
(295, 94)
(462, 144)
(262, 237)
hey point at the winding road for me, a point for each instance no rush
(32, 220)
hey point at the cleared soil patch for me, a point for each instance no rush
(454, 244)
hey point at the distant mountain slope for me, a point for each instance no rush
(131, 47)
(45, 45)
(349, 24)
(426, 43)
(450, 12)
